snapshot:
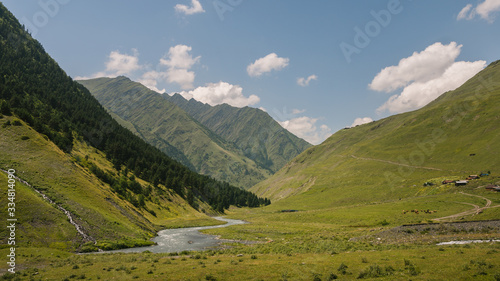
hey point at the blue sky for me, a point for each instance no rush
(315, 66)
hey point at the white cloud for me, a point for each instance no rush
(116, 65)
(194, 9)
(267, 64)
(424, 66)
(219, 93)
(179, 57)
(464, 13)
(298, 111)
(305, 81)
(419, 94)
(305, 128)
(122, 64)
(420, 89)
(179, 62)
(150, 80)
(175, 67)
(361, 121)
(485, 10)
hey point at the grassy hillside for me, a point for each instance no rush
(39, 92)
(451, 138)
(66, 179)
(252, 130)
(117, 188)
(166, 126)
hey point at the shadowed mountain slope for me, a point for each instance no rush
(168, 127)
(252, 130)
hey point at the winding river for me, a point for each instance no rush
(182, 239)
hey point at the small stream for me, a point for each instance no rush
(182, 239)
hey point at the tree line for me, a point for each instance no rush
(38, 91)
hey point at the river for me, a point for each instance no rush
(182, 239)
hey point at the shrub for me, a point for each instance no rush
(412, 269)
(210, 277)
(342, 269)
(332, 276)
(16, 123)
(373, 271)
(25, 138)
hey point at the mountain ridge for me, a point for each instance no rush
(159, 121)
(120, 189)
(400, 152)
(257, 134)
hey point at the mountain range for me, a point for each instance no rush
(88, 182)
(242, 146)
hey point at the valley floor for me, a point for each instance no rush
(459, 262)
(378, 241)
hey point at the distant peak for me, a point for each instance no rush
(121, 77)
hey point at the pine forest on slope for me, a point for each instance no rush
(98, 170)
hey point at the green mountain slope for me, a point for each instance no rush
(118, 188)
(104, 215)
(168, 127)
(454, 136)
(252, 130)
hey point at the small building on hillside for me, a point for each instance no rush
(461, 183)
(492, 186)
(447, 181)
(473, 177)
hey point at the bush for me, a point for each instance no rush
(342, 269)
(332, 276)
(25, 138)
(374, 271)
(17, 123)
(412, 269)
(4, 108)
(210, 277)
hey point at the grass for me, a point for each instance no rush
(345, 203)
(393, 157)
(101, 212)
(424, 263)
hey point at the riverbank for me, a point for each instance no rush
(184, 239)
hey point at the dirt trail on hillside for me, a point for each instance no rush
(396, 163)
(476, 211)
